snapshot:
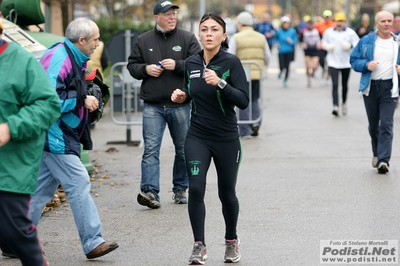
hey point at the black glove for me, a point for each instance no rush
(94, 90)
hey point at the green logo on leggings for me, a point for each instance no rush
(194, 170)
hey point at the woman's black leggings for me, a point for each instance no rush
(335, 84)
(284, 62)
(226, 156)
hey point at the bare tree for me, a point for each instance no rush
(65, 8)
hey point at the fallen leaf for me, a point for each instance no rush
(112, 149)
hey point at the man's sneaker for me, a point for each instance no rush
(180, 196)
(285, 84)
(254, 129)
(199, 254)
(148, 199)
(335, 111)
(383, 168)
(9, 255)
(375, 162)
(13, 256)
(232, 253)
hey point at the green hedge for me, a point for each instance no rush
(109, 27)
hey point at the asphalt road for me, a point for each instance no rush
(307, 177)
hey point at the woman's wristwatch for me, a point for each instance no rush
(221, 84)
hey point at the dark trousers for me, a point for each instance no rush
(226, 156)
(380, 107)
(284, 62)
(270, 45)
(335, 84)
(322, 57)
(18, 235)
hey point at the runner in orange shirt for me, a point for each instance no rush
(321, 26)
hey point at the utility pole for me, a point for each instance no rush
(315, 11)
(269, 7)
(202, 9)
(289, 7)
(347, 12)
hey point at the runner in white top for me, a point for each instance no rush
(339, 42)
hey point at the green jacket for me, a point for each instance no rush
(29, 105)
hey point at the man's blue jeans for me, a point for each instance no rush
(155, 119)
(380, 107)
(68, 171)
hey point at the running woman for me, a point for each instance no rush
(310, 41)
(215, 81)
(285, 39)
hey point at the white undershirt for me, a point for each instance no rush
(383, 54)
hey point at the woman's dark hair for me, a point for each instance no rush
(220, 21)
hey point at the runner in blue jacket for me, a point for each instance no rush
(285, 40)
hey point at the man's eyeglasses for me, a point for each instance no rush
(170, 14)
